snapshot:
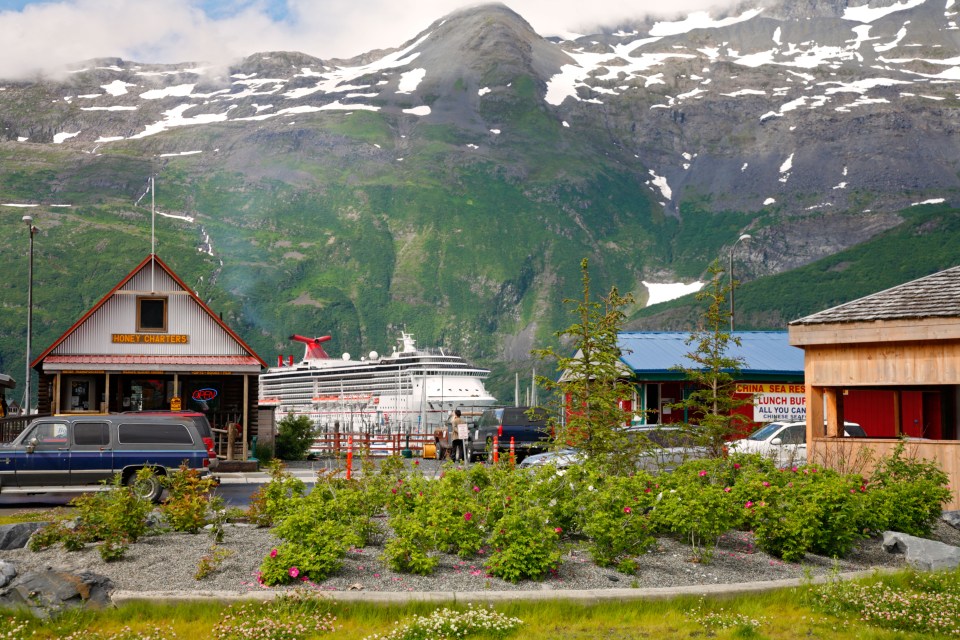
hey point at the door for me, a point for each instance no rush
(43, 457)
(91, 454)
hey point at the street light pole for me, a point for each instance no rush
(25, 410)
(745, 236)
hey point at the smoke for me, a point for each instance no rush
(44, 38)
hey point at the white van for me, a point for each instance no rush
(785, 442)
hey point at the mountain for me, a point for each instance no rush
(452, 185)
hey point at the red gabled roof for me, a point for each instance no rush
(125, 280)
(140, 359)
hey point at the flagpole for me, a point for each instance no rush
(153, 235)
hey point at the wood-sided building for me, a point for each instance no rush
(890, 361)
(151, 344)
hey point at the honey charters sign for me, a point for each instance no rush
(776, 402)
(149, 338)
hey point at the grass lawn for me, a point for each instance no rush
(787, 613)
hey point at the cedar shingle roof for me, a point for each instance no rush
(936, 295)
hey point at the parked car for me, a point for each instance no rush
(785, 442)
(527, 428)
(80, 452)
(199, 420)
(665, 448)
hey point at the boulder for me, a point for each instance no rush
(8, 571)
(15, 536)
(952, 518)
(928, 555)
(48, 592)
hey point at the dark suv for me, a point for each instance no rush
(526, 426)
(80, 452)
(198, 419)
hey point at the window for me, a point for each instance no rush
(151, 314)
(159, 433)
(91, 433)
(49, 433)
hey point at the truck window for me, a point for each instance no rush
(91, 433)
(48, 433)
(157, 433)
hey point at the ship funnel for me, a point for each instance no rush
(313, 350)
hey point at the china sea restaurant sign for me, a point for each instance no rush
(776, 402)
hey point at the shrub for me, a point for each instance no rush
(188, 503)
(907, 494)
(525, 545)
(447, 623)
(810, 509)
(315, 556)
(278, 497)
(408, 551)
(294, 437)
(695, 503)
(617, 521)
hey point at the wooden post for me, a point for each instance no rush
(814, 415)
(897, 413)
(246, 412)
(834, 412)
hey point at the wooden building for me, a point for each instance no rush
(894, 355)
(151, 344)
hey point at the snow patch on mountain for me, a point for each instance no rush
(665, 291)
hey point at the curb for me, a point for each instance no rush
(587, 596)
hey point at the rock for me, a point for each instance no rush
(48, 592)
(8, 571)
(952, 518)
(15, 536)
(928, 555)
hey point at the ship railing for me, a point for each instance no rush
(371, 444)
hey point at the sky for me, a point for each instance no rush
(43, 36)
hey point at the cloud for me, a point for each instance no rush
(44, 36)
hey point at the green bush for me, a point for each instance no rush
(294, 437)
(187, 507)
(696, 503)
(616, 519)
(278, 497)
(525, 545)
(906, 494)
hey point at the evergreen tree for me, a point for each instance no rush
(712, 373)
(593, 382)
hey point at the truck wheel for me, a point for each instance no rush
(149, 489)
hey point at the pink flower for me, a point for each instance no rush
(749, 505)
(393, 491)
(766, 484)
(273, 553)
(558, 530)
(416, 463)
(794, 469)
(702, 473)
(294, 572)
(627, 509)
(476, 489)
(468, 516)
(726, 489)
(736, 465)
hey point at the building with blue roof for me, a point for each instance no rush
(772, 374)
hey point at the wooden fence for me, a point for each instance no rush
(374, 445)
(860, 455)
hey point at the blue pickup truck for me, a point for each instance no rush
(79, 453)
(525, 425)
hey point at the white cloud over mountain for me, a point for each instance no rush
(44, 36)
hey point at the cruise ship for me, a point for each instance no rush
(411, 390)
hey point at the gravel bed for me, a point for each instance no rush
(169, 561)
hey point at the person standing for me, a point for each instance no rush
(458, 426)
